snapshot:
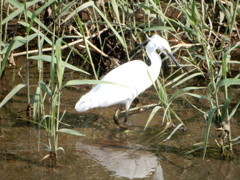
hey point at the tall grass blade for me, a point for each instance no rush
(211, 114)
(181, 91)
(87, 81)
(111, 27)
(225, 109)
(115, 7)
(12, 93)
(45, 88)
(65, 10)
(155, 109)
(49, 58)
(172, 133)
(17, 42)
(37, 31)
(80, 8)
(199, 96)
(80, 24)
(20, 9)
(38, 11)
(60, 68)
(234, 110)
(228, 82)
(36, 103)
(233, 17)
(187, 78)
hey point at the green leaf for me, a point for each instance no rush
(38, 22)
(36, 102)
(225, 108)
(17, 42)
(187, 78)
(199, 96)
(20, 9)
(70, 131)
(60, 68)
(172, 133)
(111, 27)
(45, 88)
(228, 82)
(88, 81)
(32, 16)
(155, 109)
(234, 110)
(48, 59)
(176, 94)
(209, 121)
(65, 10)
(38, 32)
(12, 93)
(80, 8)
(39, 10)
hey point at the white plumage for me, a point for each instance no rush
(130, 79)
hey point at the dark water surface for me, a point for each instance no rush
(107, 151)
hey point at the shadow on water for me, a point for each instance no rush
(107, 151)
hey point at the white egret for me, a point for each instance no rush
(134, 76)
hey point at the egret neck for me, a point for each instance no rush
(156, 63)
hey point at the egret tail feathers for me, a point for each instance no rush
(85, 103)
(82, 106)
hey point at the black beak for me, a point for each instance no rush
(173, 58)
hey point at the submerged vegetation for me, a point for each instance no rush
(204, 37)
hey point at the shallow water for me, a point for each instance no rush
(107, 151)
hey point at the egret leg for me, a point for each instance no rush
(126, 118)
(115, 117)
(127, 106)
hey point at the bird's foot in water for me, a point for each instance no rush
(116, 121)
(127, 124)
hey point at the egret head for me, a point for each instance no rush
(157, 42)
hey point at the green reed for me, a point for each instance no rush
(199, 28)
(49, 121)
(195, 24)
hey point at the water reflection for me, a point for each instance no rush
(124, 162)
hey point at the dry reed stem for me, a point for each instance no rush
(62, 47)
